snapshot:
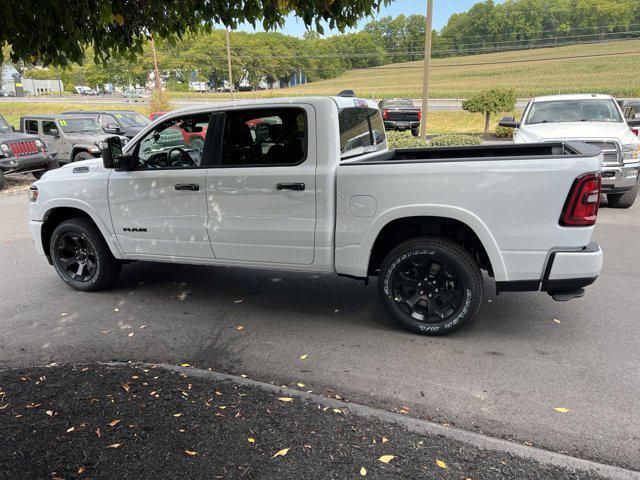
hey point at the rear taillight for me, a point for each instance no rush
(636, 132)
(419, 115)
(581, 207)
(385, 114)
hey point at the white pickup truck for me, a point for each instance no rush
(593, 119)
(308, 184)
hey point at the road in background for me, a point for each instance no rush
(451, 104)
(523, 357)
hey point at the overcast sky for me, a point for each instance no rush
(443, 9)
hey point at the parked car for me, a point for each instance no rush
(73, 137)
(275, 187)
(631, 110)
(401, 114)
(20, 153)
(133, 97)
(4, 93)
(119, 122)
(156, 115)
(593, 119)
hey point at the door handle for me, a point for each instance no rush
(192, 187)
(290, 186)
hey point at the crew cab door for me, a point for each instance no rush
(261, 190)
(159, 208)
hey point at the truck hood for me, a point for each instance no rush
(12, 136)
(73, 170)
(575, 130)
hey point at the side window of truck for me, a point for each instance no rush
(47, 127)
(175, 143)
(31, 126)
(264, 137)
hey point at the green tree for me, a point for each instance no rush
(490, 101)
(57, 32)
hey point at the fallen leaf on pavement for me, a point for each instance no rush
(281, 453)
(303, 357)
(285, 399)
(181, 296)
(69, 430)
(113, 423)
(98, 432)
(81, 470)
(251, 440)
(49, 412)
(130, 335)
(386, 458)
(301, 385)
(125, 387)
(105, 331)
(556, 320)
(239, 301)
(561, 409)
(114, 445)
(185, 365)
(337, 410)
(441, 464)
(2, 407)
(385, 439)
(239, 327)
(191, 453)
(363, 471)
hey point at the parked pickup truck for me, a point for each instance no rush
(274, 187)
(593, 119)
(401, 114)
(20, 153)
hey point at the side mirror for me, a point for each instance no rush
(112, 128)
(55, 132)
(509, 122)
(111, 150)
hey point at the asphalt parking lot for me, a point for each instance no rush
(525, 356)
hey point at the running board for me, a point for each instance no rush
(566, 296)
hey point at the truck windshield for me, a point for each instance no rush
(361, 131)
(559, 111)
(4, 126)
(79, 125)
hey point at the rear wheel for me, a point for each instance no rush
(78, 157)
(431, 285)
(623, 200)
(81, 256)
(1, 180)
(415, 131)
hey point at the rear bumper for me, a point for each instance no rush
(620, 177)
(566, 271)
(400, 125)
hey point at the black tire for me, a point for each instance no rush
(457, 274)
(90, 247)
(51, 166)
(78, 157)
(623, 200)
(415, 131)
(1, 180)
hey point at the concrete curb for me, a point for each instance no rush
(416, 425)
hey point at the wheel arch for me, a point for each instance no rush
(56, 215)
(81, 148)
(396, 226)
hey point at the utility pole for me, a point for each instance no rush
(156, 72)
(231, 89)
(427, 65)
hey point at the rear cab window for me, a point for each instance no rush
(361, 131)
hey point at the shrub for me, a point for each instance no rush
(503, 132)
(159, 101)
(455, 140)
(491, 101)
(403, 140)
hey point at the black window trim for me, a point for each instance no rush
(223, 121)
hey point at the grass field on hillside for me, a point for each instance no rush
(538, 72)
(438, 122)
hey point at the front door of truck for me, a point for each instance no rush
(159, 208)
(52, 136)
(262, 188)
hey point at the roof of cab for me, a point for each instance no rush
(573, 96)
(53, 115)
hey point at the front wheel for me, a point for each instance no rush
(81, 256)
(623, 200)
(431, 285)
(80, 156)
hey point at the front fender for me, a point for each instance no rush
(431, 210)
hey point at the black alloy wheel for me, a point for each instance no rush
(76, 257)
